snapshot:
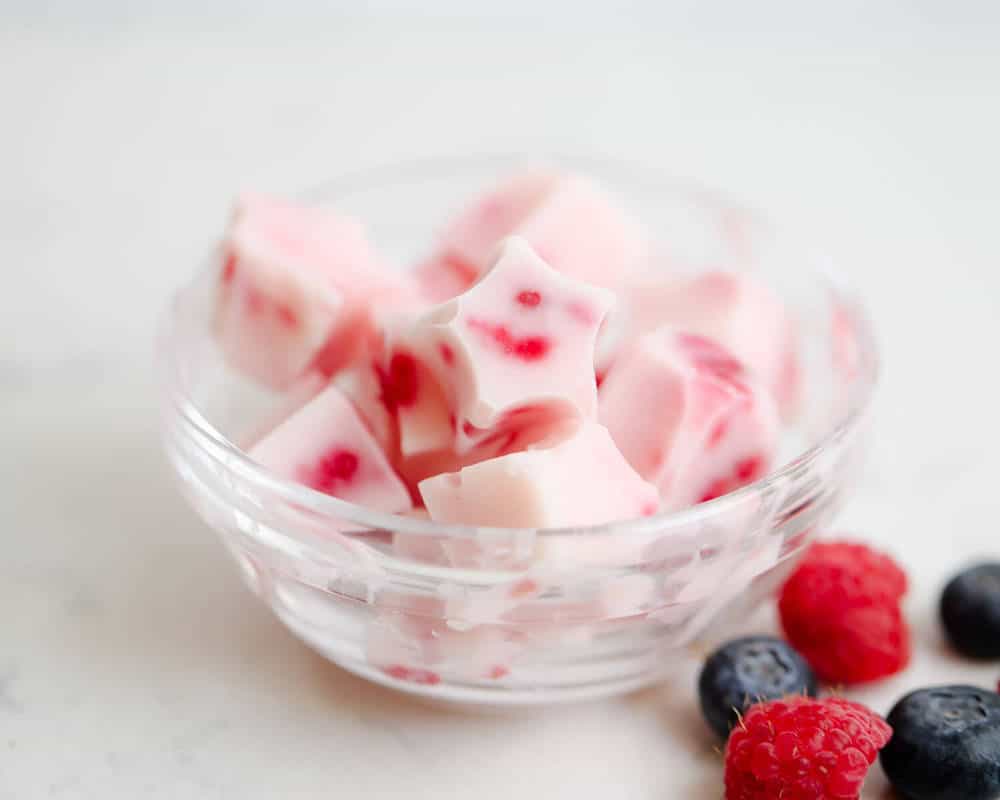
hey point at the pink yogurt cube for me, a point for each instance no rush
(296, 395)
(296, 289)
(583, 234)
(327, 446)
(467, 243)
(442, 277)
(739, 312)
(572, 223)
(512, 354)
(581, 479)
(689, 417)
(416, 468)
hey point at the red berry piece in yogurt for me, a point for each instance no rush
(327, 446)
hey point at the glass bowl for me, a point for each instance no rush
(515, 617)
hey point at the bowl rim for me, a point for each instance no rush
(233, 458)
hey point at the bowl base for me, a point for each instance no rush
(501, 697)
(623, 676)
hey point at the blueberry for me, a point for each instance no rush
(748, 671)
(970, 611)
(945, 744)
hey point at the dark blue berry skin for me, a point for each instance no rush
(970, 611)
(945, 744)
(747, 671)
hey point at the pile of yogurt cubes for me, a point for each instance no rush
(536, 370)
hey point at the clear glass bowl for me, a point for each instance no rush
(511, 617)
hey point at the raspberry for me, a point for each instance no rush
(869, 564)
(803, 749)
(841, 610)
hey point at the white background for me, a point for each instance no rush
(132, 663)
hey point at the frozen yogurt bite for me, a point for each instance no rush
(512, 354)
(579, 229)
(297, 290)
(689, 417)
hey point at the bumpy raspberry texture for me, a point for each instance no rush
(870, 565)
(841, 610)
(803, 749)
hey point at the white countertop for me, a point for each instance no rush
(132, 661)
